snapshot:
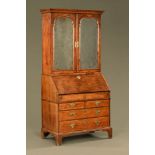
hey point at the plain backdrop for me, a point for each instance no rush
(114, 62)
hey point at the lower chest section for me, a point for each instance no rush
(77, 113)
(90, 112)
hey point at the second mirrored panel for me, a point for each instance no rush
(88, 43)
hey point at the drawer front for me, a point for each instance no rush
(99, 95)
(97, 103)
(97, 112)
(71, 126)
(83, 124)
(99, 122)
(71, 105)
(83, 113)
(71, 114)
(70, 98)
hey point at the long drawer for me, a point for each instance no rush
(84, 124)
(85, 96)
(83, 113)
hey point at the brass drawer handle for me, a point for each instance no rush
(97, 112)
(72, 114)
(97, 122)
(72, 125)
(72, 104)
(78, 77)
(97, 103)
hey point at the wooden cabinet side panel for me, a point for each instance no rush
(50, 116)
(46, 43)
(45, 93)
(45, 114)
(53, 91)
(53, 115)
(49, 91)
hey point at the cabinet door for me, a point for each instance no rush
(89, 42)
(63, 42)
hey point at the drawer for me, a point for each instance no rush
(99, 95)
(83, 113)
(71, 126)
(71, 114)
(97, 112)
(83, 124)
(71, 105)
(99, 122)
(97, 103)
(72, 97)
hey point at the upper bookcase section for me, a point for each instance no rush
(71, 40)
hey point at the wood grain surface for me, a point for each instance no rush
(77, 100)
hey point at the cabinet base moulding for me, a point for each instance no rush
(59, 136)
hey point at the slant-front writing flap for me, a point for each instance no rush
(68, 84)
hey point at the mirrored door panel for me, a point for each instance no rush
(88, 45)
(63, 43)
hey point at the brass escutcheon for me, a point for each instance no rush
(72, 125)
(72, 114)
(97, 112)
(72, 104)
(78, 77)
(97, 102)
(97, 122)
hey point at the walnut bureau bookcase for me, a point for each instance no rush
(75, 95)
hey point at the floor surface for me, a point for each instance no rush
(89, 144)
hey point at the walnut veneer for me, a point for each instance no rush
(74, 100)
